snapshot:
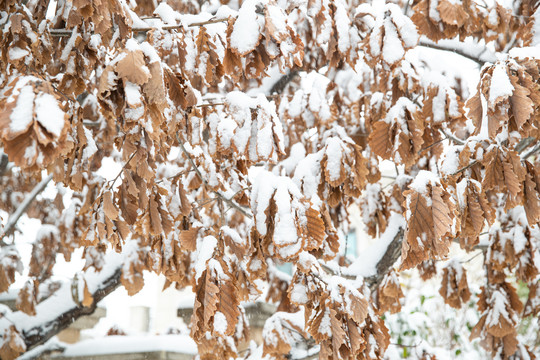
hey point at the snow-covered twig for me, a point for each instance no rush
(461, 49)
(393, 252)
(40, 332)
(12, 221)
(465, 167)
(453, 138)
(230, 202)
(4, 162)
(531, 152)
(67, 32)
(432, 145)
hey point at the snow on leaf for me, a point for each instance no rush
(132, 66)
(454, 288)
(392, 35)
(33, 124)
(246, 31)
(12, 343)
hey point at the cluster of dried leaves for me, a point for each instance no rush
(170, 104)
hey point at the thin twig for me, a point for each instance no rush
(220, 195)
(474, 58)
(209, 104)
(466, 167)
(67, 32)
(206, 201)
(432, 145)
(12, 221)
(406, 346)
(473, 257)
(4, 162)
(283, 81)
(122, 170)
(453, 138)
(90, 123)
(531, 152)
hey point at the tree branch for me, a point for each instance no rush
(465, 167)
(67, 32)
(393, 252)
(230, 202)
(42, 332)
(4, 161)
(481, 58)
(531, 152)
(280, 85)
(12, 221)
(452, 137)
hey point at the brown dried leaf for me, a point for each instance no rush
(454, 288)
(27, 298)
(427, 225)
(154, 89)
(13, 344)
(108, 206)
(531, 194)
(133, 68)
(452, 13)
(188, 239)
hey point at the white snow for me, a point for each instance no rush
(16, 53)
(133, 95)
(132, 45)
(49, 114)
(279, 19)
(246, 29)
(334, 153)
(205, 249)
(536, 28)
(90, 148)
(166, 13)
(421, 181)
(343, 24)
(21, 116)
(366, 263)
(220, 323)
(501, 87)
(531, 52)
(286, 196)
(132, 344)
(150, 51)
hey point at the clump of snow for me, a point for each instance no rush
(220, 323)
(450, 162)
(91, 148)
(334, 154)
(132, 344)
(298, 152)
(166, 13)
(49, 114)
(16, 53)
(289, 210)
(501, 87)
(343, 23)
(420, 182)
(536, 28)
(531, 52)
(150, 52)
(132, 45)
(366, 263)
(247, 28)
(397, 112)
(22, 115)
(205, 249)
